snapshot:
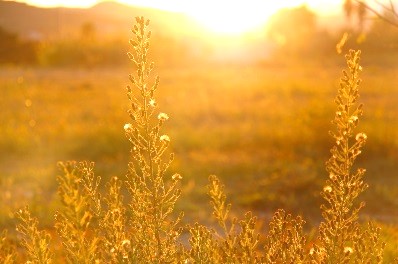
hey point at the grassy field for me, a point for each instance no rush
(263, 130)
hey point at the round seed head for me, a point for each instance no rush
(128, 127)
(163, 117)
(361, 137)
(164, 138)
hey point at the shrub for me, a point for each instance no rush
(14, 50)
(143, 228)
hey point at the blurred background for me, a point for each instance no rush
(249, 87)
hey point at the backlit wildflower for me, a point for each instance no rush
(327, 189)
(348, 250)
(163, 116)
(128, 127)
(164, 138)
(125, 242)
(176, 177)
(361, 137)
(353, 119)
(312, 251)
(152, 102)
(356, 152)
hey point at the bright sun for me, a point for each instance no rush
(225, 17)
(236, 17)
(232, 17)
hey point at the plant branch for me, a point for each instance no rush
(390, 9)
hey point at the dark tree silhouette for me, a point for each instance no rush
(13, 50)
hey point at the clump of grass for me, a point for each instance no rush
(236, 242)
(7, 249)
(285, 242)
(116, 245)
(96, 228)
(35, 242)
(74, 222)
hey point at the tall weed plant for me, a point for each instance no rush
(97, 227)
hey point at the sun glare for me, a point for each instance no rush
(224, 17)
(232, 17)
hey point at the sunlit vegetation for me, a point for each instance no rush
(264, 131)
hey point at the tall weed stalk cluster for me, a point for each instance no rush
(106, 227)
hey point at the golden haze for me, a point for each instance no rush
(220, 17)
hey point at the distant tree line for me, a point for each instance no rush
(293, 31)
(84, 48)
(14, 50)
(296, 34)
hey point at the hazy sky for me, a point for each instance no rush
(182, 5)
(218, 15)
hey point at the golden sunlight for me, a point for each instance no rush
(232, 17)
(228, 17)
(223, 17)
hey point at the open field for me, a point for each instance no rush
(263, 130)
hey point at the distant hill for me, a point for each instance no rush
(175, 34)
(107, 18)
